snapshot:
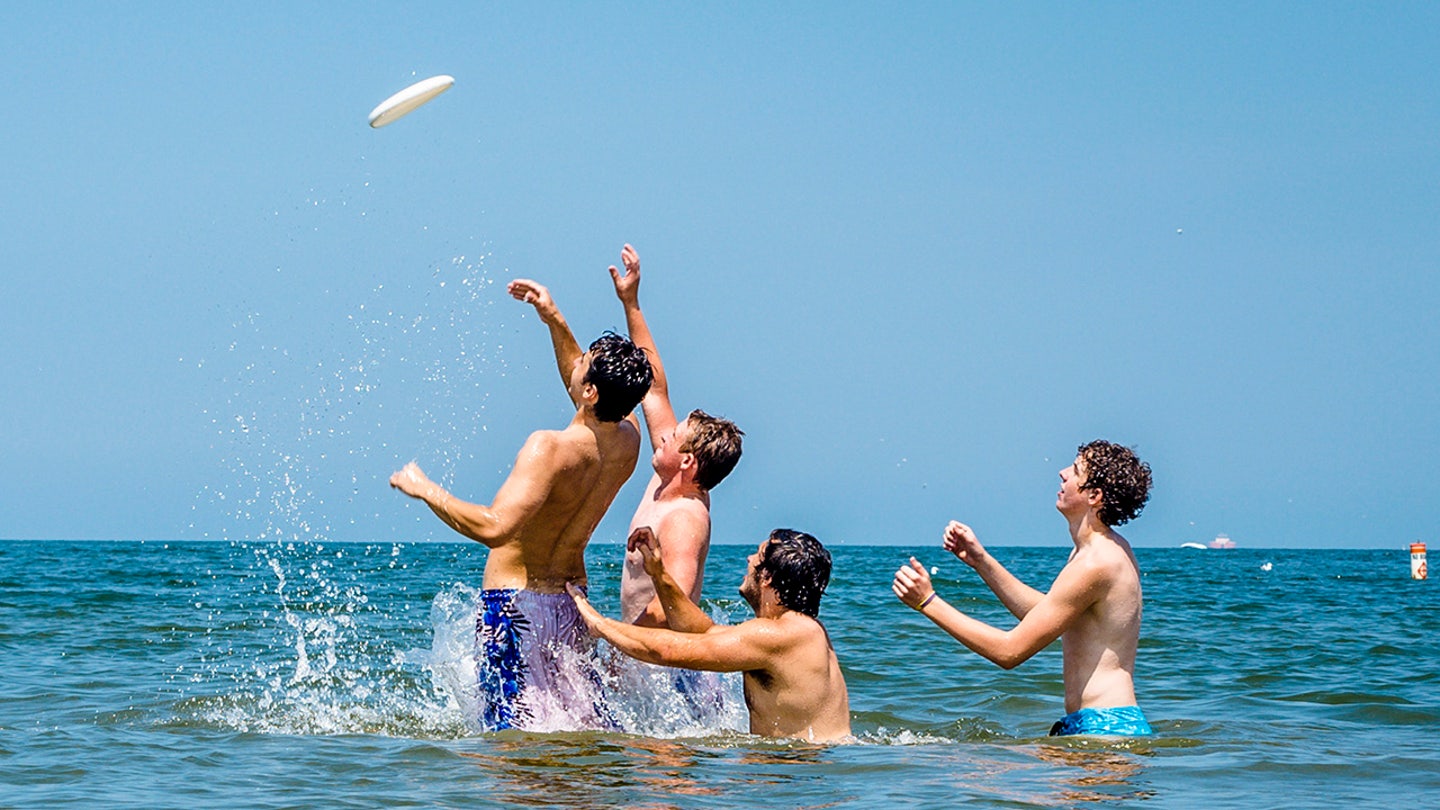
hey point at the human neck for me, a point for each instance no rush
(585, 415)
(1085, 527)
(679, 485)
(770, 607)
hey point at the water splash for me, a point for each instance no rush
(303, 423)
(325, 662)
(637, 698)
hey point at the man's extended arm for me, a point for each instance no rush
(659, 413)
(567, 349)
(674, 604)
(742, 648)
(520, 497)
(1017, 597)
(1073, 592)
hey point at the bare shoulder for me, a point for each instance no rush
(550, 444)
(775, 635)
(1103, 564)
(797, 628)
(683, 516)
(557, 450)
(542, 443)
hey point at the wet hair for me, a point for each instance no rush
(1122, 478)
(715, 443)
(621, 375)
(798, 568)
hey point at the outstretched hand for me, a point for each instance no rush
(627, 284)
(535, 294)
(644, 541)
(961, 541)
(411, 480)
(912, 584)
(588, 613)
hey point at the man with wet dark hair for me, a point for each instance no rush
(793, 684)
(538, 525)
(1093, 606)
(690, 458)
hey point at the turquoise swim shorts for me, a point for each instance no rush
(1119, 721)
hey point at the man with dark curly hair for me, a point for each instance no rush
(538, 525)
(794, 686)
(1093, 606)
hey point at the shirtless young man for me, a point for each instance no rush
(689, 459)
(793, 683)
(1093, 606)
(541, 519)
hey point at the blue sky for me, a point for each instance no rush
(918, 252)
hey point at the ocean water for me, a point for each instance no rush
(266, 675)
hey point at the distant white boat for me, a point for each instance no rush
(1222, 541)
(1193, 545)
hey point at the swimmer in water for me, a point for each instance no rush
(541, 519)
(1093, 606)
(793, 683)
(689, 458)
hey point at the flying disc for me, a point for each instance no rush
(405, 101)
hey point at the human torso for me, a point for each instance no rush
(588, 466)
(1099, 649)
(803, 695)
(636, 588)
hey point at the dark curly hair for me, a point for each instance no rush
(621, 374)
(798, 568)
(715, 443)
(1122, 478)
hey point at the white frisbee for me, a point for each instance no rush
(405, 101)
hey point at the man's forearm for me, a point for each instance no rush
(982, 639)
(1017, 597)
(640, 335)
(567, 349)
(631, 640)
(681, 614)
(471, 520)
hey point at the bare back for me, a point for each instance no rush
(802, 694)
(583, 466)
(1099, 648)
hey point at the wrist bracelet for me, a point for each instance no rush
(928, 600)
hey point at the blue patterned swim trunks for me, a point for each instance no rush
(1119, 721)
(535, 664)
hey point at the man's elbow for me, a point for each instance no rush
(1008, 662)
(487, 534)
(651, 618)
(1008, 658)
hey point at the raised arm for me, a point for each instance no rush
(741, 648)
(520, 497)
(567, 349)
(659, 413)
(676, 579)
(1017, 597)
(1074, 591)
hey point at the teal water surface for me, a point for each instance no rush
(316, 675)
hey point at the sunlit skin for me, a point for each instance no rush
(1093, 606)
(674, 507)
(793, 683)
(541, 518)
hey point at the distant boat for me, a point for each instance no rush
(1222, 541)
(1192, 545)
